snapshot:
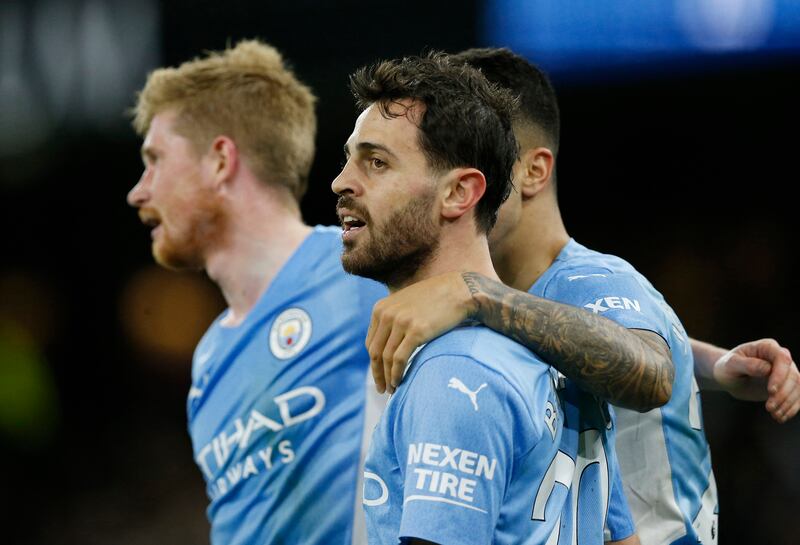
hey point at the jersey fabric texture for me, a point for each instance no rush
(596, 509)
(463, 451)
(277, 405)
(663, 454)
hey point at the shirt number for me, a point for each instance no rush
(570, 473)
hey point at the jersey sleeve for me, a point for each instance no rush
(617, 296)
(455, 444)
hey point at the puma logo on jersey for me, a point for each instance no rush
(473, 396)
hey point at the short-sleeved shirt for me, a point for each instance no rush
(279, 404)
(464, 451)
(663, 453)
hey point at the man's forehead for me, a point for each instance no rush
(162, 121)
(360, 120)
(162, 129)
(397, 130)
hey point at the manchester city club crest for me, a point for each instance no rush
(290, 333)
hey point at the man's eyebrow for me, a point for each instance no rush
(369, 146)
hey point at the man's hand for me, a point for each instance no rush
(411, 317)
(761, 370)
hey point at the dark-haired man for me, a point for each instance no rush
(467, 450)
(663, 453)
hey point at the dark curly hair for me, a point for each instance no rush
(467, 121)
(538, 105)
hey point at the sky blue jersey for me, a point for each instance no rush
(277, 406)
(463, 452)
(663, 454)
(596, 509)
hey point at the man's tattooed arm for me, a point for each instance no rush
(629, 368)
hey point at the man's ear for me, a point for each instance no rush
(463, 190)
(222, 160)
(536, 172)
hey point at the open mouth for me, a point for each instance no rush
(152, 221)
(351, 224)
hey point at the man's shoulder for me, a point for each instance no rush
(485, 352)
(581, 271)
(477, 377)
(477, 342)
(576, 256)
(319, 251)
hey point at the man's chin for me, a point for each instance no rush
(358, 264)
(174, 261)
(353, 264)
(389, 273)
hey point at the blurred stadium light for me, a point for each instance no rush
(164, 314)
(572, 36)
(29, 410)
(71, 64)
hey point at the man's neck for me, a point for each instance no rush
(459, 250)
(262, 238)
(530, 248)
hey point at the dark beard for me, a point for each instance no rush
(407, 241)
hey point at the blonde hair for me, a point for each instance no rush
(248, 94)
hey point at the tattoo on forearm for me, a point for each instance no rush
(628, 369)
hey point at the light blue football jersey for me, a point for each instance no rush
(277, 406)
(663, 454)
(464, 451)
(596, 509)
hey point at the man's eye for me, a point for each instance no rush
(377, 163)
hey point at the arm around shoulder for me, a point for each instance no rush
(628, 368)
(624, 367)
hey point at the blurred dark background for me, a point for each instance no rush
(678, 154)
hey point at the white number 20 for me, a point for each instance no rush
(564, 470)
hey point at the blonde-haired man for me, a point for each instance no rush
(279, 396)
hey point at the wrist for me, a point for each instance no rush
(477, 298)
(706, 358)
